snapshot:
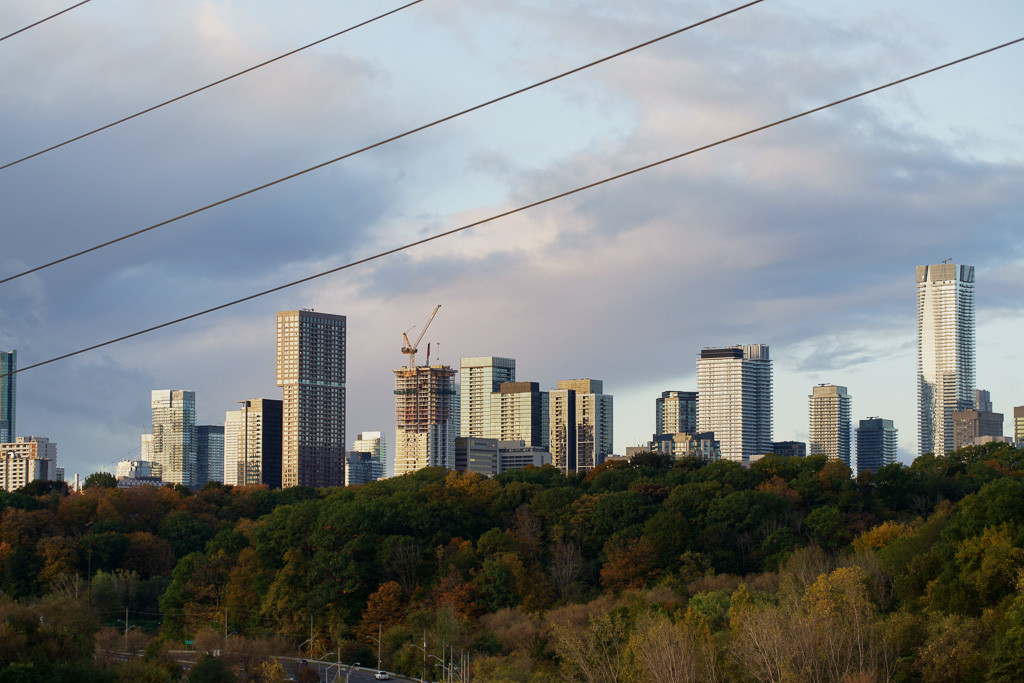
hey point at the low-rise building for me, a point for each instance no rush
(491, 457)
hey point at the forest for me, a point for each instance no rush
(650, 569)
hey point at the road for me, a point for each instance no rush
(328, 671)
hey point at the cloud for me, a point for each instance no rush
(803, 237)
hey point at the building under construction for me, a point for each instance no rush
(426, 411)
(425, 407)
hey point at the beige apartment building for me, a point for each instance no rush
(26, 459)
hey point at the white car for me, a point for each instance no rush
(382, 676)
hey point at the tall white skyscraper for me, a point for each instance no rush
(831, 422)
(311, 371)
(173, 445)
(734, 399)
(480, 380)
(945, 352)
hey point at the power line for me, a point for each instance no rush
(524, 207)
(376, 144)
(206, 87)
(41, 21)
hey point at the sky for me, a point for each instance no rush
(804, 237)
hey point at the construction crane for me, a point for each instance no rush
(410, 349)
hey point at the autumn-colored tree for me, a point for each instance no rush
(457, 556)
(631, 564)
(783, 490)
(667, 652)
(516, 631)
(386, 607)
(881, 535)
(458, 595)
(59, 556)
(955, 651)
(595, 654)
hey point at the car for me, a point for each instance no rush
(382, 676)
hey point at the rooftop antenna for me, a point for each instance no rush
(946, 260)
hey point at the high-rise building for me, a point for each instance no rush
(1018, 425)
(425, 409)
(480, 380)
(520, 412)
(675, 412)
(252, 443)
(26, 459)
(831, 426)
(734, 399)
(146, 448)
(876, 444)
(983, 400)
(579, 424)
(945, 352)
(562, 425)
(311, 372)
(969, 425)
(174, 435)
(8, 395)
(376, 445)
(593, 430)
(209, 454)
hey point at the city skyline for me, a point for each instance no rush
(801, 236)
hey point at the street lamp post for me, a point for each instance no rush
(378, 639)
(423, 669)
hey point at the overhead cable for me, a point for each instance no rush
(374, 145)
(42, 21)
(524, 207)
(205, 87)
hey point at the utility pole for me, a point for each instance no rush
(126, 629)
(225, 627)
(88, 526)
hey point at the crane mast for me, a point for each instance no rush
(411, 349)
